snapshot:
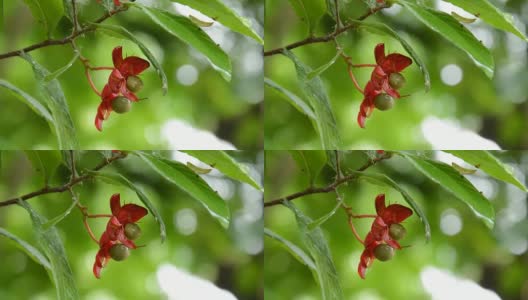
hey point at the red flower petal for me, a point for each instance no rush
(115, 204)
(117, 56)
(394, 244)
(131, 213)
(396, 213)
(389, 90)
(133, 65)
(379, 53)
(128, 94)
(116, 81)
(124, 240)
(380, 204)
(395, 62)
(361, 120)
(97, 267)
(98, 123)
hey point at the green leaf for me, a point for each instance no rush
(46, 12)
(310, 162)
(315, 92)
(456, 33)
(293, 99)
(122, 33)
(57, 105)
(198, 170)
(1, 15)
(309, 11)
(59, 72)
(118, 179)
(325, 271)
(324, 67)
(327, 216)
(68, 9)
(50, 242)
(455, 183)
(224, 163)
(44, 162)
(31, 251)
(223, 14)
(331, 158)
(60, 217)
(490, 14)
(183, 177)
(294, 250)
(384, 180)
(331, 8)
(382, 29)
(33, 103)
(187, 31)
(488, 163)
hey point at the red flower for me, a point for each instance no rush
(117, 83)
(379, 80)
(379, 231)
(115, 230)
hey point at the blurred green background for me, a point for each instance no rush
(198, 98)
(462, 259)
(461, 96)
(196, 243)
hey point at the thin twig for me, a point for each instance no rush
(354, 231)
(64, 187)
(338, 17)
(329, 188)
(83, 211)
(74, 11)
(338, 165)
(325, 38)
(72, 163)
(66, 40)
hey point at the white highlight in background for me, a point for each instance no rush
(180, 285)
(442, 285)
(451, 74)
(447, 134)
(181, 135)
(450, 222)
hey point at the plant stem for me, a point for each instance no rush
(99, 216)
(354, 231)
(75, 21)
(325, 38)
(64, 187)
(66, 40)
(331, 187)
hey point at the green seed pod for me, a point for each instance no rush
(396, 80)
(121, 105)
(119, 252)
(132, 231)
(383, 102)
(383, 252)
(397, 231)
(134, 84)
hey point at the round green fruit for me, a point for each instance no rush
(383, 102)
(396, 80)
(119, 252)
(132, 231)
(134, 84)
(121, 105)
(397, 231)
(383, 252)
